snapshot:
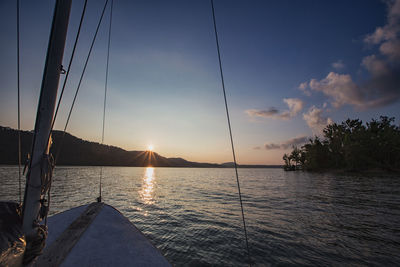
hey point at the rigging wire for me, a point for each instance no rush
(105, 93)
(80, 80)
(230, 129)
(19, 108)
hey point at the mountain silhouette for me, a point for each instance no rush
(79, 152)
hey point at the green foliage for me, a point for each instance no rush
(351, 145)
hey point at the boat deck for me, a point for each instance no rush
(97, 235)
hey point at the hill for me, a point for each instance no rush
(79, 152)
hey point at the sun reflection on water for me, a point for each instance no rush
(147, 190)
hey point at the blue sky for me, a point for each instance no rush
(290, 68)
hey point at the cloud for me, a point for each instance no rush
(383, 85)
(338, 65)
(388, 35)
(262, 113)
(287, 144)
(391, 49)
(374, 65)
(303, 87)
(315, 120)
(295, 105)
(272, 146)
(341, 89)
(381, 89)
(381, 34)
(294, 141)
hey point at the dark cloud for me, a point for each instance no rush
(262, 113)
(272, 146)
(287, 144)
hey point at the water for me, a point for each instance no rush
(293, 218)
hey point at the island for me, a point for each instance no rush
(350, 146)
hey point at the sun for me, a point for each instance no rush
(150, 148)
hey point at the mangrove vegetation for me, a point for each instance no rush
(351, 146)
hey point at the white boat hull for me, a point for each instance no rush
(109, 239)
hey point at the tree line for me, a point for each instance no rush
(350, 145)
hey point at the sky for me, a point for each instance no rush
(290, 68)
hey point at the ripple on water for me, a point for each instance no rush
(193, 215)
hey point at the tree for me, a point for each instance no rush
(295, 155)
(287, 160)
(351, 145)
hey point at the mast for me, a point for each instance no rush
(34, 209)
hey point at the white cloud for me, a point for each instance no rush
(383, 86)
(381, 34)
(303, 87)
(295, 105)
(338, 65)
(374, 65)
(287, 144)
(381, 89)
(340, 87)
(388, 35)
(391, 49)
(315, 120)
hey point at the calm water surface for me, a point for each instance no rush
(193, 215)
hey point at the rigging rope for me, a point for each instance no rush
(230, 129)
(105, 94)
(80, 80)
(19, 110)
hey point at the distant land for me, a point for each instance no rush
(79, 152)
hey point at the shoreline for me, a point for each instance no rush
(190, 167)
(373, 171)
